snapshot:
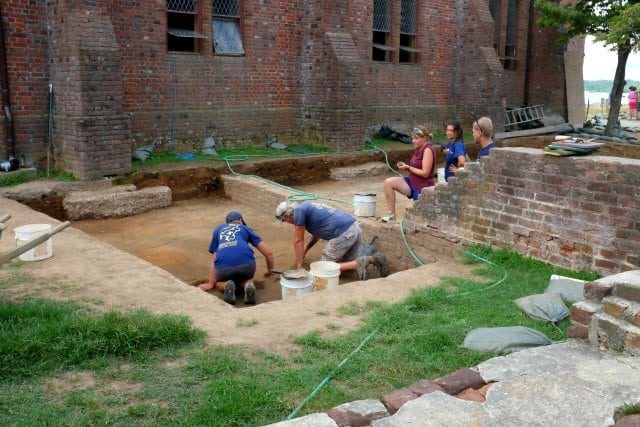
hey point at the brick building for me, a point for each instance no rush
(172, 72)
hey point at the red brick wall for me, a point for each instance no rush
(577, 212)
(295, 81)
(27, 47)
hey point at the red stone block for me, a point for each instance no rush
(629, 421)
(394, 400)
(425, 387)
(347, 418)
(484, 389)
(460, 380)
(471, 395)
(578, 331)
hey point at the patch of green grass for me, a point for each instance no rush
(246, 322)
(349, 308)
(418, 338)
(627, 409)
(39, 336)
(54, 174)
(333, 326)
(322, 313)
(234, 153)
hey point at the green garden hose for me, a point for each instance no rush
(331, 374)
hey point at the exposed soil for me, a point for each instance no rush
(96, 272)
(177, 238)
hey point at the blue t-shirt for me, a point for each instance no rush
(322, 221)
(454, 150)
(230, 242)
(484, 151)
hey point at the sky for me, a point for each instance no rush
(600, 62)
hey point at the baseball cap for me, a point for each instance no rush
(234, 216)
(281, 209)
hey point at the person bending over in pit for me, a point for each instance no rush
(234, 265)
(482, 131)
(337, 227)
(455, 151)
(421, 168)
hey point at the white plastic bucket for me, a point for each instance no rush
(364, 204)
(30, 232)
(326, 275)
(441, 176)
(295, 287)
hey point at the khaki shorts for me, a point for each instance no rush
(344, 247)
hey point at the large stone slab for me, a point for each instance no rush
(312, 420)
(115, 202)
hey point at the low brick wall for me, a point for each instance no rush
(576, 212)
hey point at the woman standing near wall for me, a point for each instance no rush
(482, 130)
(421, 168)
(455, 150)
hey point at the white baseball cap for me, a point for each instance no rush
(281, 209)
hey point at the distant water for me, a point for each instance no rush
(595, 97)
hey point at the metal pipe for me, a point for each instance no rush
(9, 135)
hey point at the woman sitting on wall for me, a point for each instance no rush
(421, 168)
(455, 151)
(482, 131)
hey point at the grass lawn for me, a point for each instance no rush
(149, 370)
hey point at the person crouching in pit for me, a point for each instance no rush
(337, 227)
(233, 265)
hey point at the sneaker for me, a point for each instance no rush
(249, 293)
(380, 261)
(361, 267)
(388, 218)
(230, 292)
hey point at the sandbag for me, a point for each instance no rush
(504, 340)
(544, 307)
(142, 153)
(571, 290)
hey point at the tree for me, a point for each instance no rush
(616, 23)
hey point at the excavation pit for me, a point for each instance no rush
(177, 238)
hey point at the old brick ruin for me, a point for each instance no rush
(610, 315)
(577, 212)
(127, 74)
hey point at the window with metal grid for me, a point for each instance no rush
(408, 31)
(181, 6)
(382, 30)
(182, 26)
(226, 21)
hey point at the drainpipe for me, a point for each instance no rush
(527, 70)
(4, 76)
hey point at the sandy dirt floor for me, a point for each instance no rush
(177, 238)
(117, 269)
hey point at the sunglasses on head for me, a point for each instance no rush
(418, 132)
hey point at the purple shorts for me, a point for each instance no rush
(414, 192)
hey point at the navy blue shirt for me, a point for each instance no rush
(484, 151)
(230, 242)
(453, 150)
(322, 221)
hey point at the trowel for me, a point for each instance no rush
(299, 273)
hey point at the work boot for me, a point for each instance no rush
(361, 267)
(380, 261)
(230, 292)
(249, 293)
